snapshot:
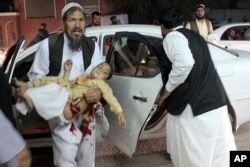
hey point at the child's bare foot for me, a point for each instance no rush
(67, 112)
(19, 83)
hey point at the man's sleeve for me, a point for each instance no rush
(97, 58)
(211, 27)
(5, 96)
(40, 66)
(11, 142)
(187, 26)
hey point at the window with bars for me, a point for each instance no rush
(39, 8)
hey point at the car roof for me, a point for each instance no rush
(228, 25)
(144, 29)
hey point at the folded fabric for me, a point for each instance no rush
(49, 100)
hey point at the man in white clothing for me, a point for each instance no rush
(85, 54)
(200, 24)
(199, 132)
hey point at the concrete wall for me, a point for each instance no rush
(9, 29)
(29, 26)
(224, 14)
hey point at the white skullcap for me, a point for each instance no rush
(70, 5)
(200, 6)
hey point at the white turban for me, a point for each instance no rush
(70, 5)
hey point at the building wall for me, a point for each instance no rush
(29, 26)
(20, 25)
(9, 29)
(224, 14)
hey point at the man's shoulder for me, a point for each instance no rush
(207, 20)
(56, 35)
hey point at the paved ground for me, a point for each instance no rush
(149, 153)
(152, 156)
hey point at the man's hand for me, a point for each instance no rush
(93, 95)
(165, 94)
(24, 158)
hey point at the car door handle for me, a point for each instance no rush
(144, 99)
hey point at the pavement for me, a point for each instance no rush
(149, 153)
(152, 153)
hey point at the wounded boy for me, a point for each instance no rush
(75, 103)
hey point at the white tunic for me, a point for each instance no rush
(194, 141)
(66, 153)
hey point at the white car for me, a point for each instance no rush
(137, 89)
(242, 40)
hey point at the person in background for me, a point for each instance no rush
(200, 24)
(113, 20)
(49, 59)
(230, 20)
(199, 131)
(96, 19)
(42, 33)
(13, 149)
(232, 35)
(245, 19)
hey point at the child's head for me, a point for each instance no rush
(102, 71)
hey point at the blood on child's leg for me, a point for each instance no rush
(83, 105)
(72, 110)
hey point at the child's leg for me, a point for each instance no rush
(102, 124)
(71, 111)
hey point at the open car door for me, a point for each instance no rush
(136, 82)
(9, 63)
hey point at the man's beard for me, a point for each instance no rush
(200, 17)
(74, 42)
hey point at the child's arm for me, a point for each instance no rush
(67, 68)
(121, 118)
(35, 83)
(108, 95)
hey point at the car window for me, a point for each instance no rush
(23, 65)
(236, 33)
(94, 38)
(107, 43)
(247, 34)
(131, 57)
